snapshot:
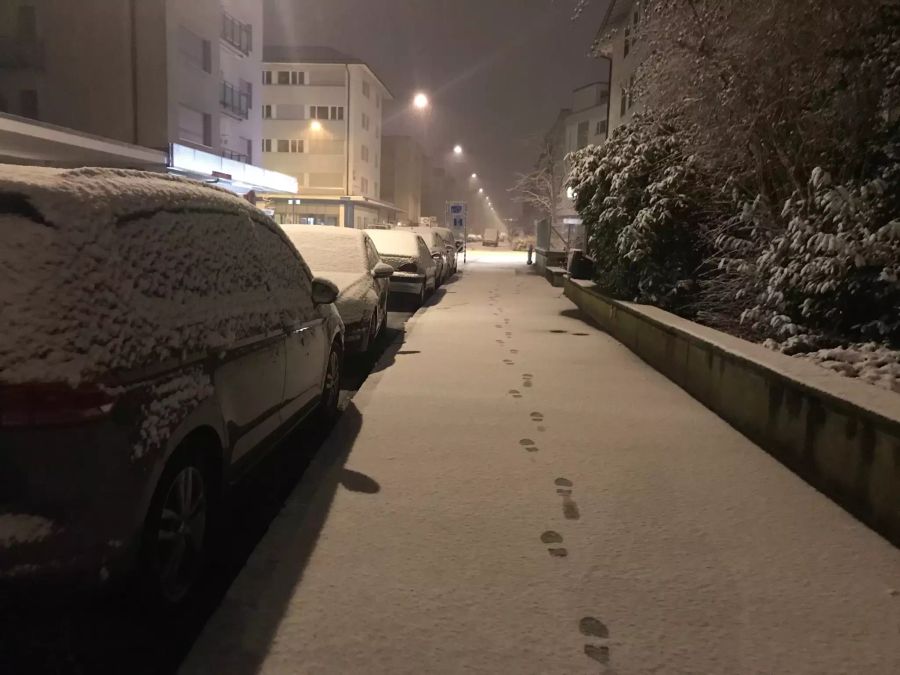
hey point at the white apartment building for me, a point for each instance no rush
(322, 119)
(176, 76)
(619, 41)
(587, 123)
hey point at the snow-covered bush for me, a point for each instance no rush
(833, 269)
(644, 203)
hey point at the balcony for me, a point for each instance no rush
(236, 156)
(237, 34)
(16, 52)
(236, 102)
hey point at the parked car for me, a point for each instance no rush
(349, 259)
(415, 270)
(440, 241)
(491, 237)
(159, 336)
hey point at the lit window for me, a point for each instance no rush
(267, 77)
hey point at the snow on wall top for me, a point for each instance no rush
(395, 242)
(103, 270)
(329, 249)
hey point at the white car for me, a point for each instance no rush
(349, 259)
(415, 271)
(441, 237)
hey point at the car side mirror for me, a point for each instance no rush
(382, 271)
(324, 292)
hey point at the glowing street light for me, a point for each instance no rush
(481, 191)
(474, 176)
(420, 101)
(457, 150)
(316, 125)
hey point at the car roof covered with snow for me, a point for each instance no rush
(430, 235)
(90, 197)
(329, 249)
(395, 242)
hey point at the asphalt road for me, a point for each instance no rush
(84, 633)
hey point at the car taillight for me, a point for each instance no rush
(39, 405)
(409, 267)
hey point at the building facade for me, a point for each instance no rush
(153, 73)
(620, 42)
(402, 164)
(587, 123)
(322, 116)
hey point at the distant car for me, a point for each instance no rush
(159, 336)
(349, 259)
(440, 241)
(491, 237)
(415, 271)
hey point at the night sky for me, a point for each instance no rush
(497, 71)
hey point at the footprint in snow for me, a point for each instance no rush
(551, 537)
(596, 629)
(508, 362)
(515, 393)
(537, 417)
(529, 445)
(570, 508)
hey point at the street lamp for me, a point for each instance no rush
(420, 101)
(474, 176)
(457, 150)
(316, 125)
(481, 191)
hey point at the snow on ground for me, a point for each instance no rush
(870, 362)
(556, 507)
(16, 528)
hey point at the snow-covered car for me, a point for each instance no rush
(415, 271)
(443, 252)
(450, 245)
(159, 336)
(349, 259)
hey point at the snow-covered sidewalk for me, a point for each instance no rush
(517, 493)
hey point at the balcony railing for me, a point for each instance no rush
(236, 101)
(237, 33)
(236, 156)
(16, 52)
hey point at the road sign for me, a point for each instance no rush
(457, 213)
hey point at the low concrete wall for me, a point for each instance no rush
(544, 259)
(841, 435)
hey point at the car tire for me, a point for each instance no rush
(374, 330)
(421, 299)
(178, 530)
(331, 389)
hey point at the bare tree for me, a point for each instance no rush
(542, 188)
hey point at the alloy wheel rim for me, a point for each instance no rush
(332, 376)
(181, 534)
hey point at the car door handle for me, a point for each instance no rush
(304, 327)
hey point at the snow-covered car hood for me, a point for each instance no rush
(357, 298)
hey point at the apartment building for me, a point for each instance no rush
(587, 123)
(620, 42)
(402, 165)
(322, 118)
(175, 76)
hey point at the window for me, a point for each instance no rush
(284, 145)
(583, 128)
(267, 145)
(366, 90)
(365, 122)
(194, 126)
(297, 145)
(247, 144)
(267, 77)
(624, 102)
(323, 112)
(371, 254)
(364, 185)
(284, 77)
(298, 77)
(631, 92)
(364, 153)
(237, 34)
(194, 50)
(26, 22)
(267, 112)
(28, 103)
(602, 127)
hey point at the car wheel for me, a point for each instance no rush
(177, 530)
(421, 299)
(374, 330)
(331, 391)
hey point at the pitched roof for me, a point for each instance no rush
(305, 54)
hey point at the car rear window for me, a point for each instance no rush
(328, 249)
(395, 243)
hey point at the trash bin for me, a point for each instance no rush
(579, 267)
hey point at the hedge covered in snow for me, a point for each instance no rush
(759, 191)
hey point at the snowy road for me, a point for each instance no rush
(518, 493)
